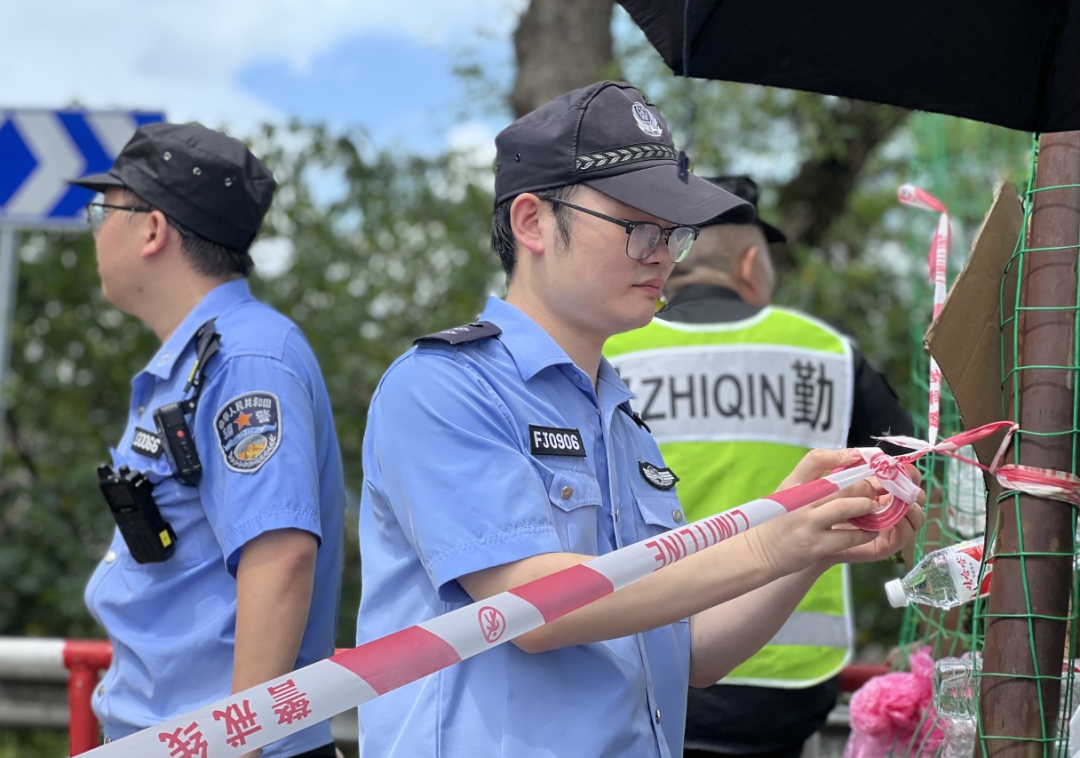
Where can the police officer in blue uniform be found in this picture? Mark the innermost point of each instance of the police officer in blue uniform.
(503, 451)
(227, 485)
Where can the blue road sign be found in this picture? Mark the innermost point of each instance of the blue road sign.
(40, 150)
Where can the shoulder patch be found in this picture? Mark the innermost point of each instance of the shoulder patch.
(459, 335)
(249, 430)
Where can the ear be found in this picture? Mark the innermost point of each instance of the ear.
(527, 221)
(156, 233)
(744, 266)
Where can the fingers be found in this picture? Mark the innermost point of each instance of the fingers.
(817, 463)
(841, 509)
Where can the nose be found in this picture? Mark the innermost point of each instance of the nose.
(661, 253)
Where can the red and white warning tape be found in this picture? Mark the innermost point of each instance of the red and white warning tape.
(911, 195)
(1032, 480)
(255, 717)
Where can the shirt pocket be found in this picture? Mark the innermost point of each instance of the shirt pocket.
(659, 511)
(575, 507)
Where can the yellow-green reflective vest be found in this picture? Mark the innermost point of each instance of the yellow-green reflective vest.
(734, 406)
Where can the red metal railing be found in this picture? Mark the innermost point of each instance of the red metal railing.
(84, 659)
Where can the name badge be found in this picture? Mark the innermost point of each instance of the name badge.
(551, 440)
(147, 443)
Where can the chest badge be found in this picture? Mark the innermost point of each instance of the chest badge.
(147, 443)
(553, 440)
(661, 478)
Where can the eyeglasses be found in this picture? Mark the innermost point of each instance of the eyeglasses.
(643, 236)
(97, 212)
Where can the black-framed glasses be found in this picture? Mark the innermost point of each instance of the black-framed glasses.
(97, 212)
(642, 237)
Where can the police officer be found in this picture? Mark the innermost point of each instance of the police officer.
(503, 451)
(737, 391)
(227, 484)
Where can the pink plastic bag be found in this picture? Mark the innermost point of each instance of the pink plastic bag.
(893, 714)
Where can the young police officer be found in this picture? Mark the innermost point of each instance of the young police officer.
(504, 451)
(227, 484)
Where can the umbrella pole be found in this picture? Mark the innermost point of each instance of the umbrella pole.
(1029, 600)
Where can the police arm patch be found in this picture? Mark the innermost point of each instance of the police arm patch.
(249, 430)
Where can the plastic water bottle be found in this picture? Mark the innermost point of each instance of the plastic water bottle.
(965, 510)
(944, 578)
(956, 702)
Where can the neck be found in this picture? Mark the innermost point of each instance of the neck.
(583, 348)
(167, 305)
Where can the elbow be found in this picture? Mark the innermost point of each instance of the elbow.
(535, 642)
(702, 676)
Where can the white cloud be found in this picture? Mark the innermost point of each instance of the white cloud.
(183, 57)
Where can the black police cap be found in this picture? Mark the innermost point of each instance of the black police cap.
(207, 181)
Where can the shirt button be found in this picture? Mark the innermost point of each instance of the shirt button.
(657, 716)
(616, 514)
(110, 556)
(101, 690)
(677, 516)
(142, 409)
(567, 492)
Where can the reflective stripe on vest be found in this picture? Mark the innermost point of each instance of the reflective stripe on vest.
(740, 403)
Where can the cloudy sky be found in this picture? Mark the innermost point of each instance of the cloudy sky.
(383, 65)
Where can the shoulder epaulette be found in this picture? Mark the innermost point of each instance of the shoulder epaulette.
(625, 408)
(459, 335)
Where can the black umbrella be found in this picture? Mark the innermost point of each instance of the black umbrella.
(1014, 63)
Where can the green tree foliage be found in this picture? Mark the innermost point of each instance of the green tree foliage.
(385, 247)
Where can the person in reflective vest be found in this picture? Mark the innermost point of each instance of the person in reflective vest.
(736, 391)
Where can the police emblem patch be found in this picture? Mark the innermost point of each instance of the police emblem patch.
(249, 430)
(646, 121)
(661, 478)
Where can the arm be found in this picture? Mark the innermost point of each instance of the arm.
(724, 636)
(273, 593)
(794, 543)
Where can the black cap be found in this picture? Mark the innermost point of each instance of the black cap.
(610, 137)
(205, 180)
(747, 189)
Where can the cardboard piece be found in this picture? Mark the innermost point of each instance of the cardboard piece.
(966, 338)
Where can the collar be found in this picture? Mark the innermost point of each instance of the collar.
(708, 304)
(529, 345)
(533, 350)
(216, 302)
(698, 292)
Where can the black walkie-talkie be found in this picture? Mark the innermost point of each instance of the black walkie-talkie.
(130, 496)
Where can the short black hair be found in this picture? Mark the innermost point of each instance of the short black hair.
(208, 258)
(502, 234)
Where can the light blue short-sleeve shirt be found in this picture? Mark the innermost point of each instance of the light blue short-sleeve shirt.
(266, 440)
(456, 481)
